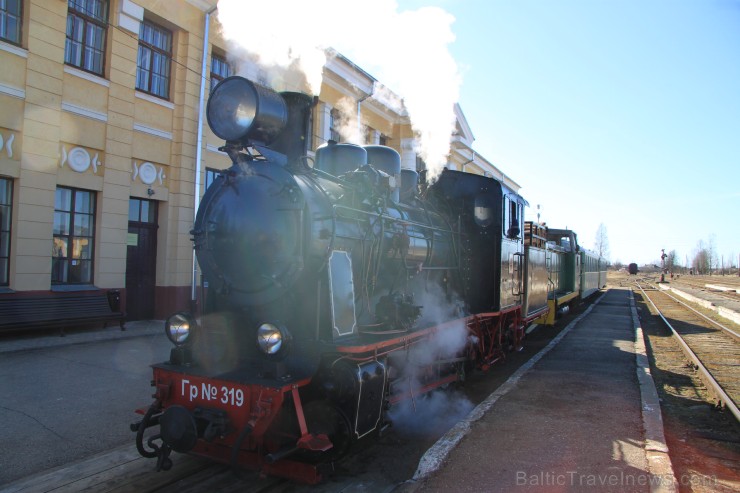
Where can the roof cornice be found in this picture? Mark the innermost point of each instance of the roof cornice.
(203, 5)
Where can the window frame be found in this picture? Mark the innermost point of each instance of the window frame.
(504, 214)
(370, 135)
(69, 260)
(211, 175)
(335, 120)
(7, 234)
(218, 75)
(4, 14)
(154, 51)
(151, 211)
(87, 21)
(511, 215)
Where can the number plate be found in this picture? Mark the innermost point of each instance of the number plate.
(196, 390)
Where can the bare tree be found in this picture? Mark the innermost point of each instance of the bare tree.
(701, 262)
(601, 245)
(712, 256)
(671, 260)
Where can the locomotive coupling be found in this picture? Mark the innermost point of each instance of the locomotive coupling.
(178, 429)
(181, 429)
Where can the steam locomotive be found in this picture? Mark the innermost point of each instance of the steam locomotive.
(337, 288)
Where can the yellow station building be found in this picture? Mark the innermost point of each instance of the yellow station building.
(104, 144)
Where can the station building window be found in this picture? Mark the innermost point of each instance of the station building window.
(370, 135)
(154, 60)
(142, 211)
(11, 19)
(220, 69)
(335, 120)
(211, 175)
(74, 236)
(87, 28)
(6, 210)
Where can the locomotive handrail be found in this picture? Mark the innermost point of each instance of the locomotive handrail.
(333, 178)
(404, 340)
(375, 214)
(413, 337)
(516, 283)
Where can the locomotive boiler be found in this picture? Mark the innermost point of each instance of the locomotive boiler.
(336, 289)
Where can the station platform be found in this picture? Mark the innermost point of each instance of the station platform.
(708, 298)
(584, 416)
(26, 341)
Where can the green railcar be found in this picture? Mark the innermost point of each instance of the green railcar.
(593, 273)
(574, 273)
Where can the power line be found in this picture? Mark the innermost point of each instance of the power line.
(107, 23)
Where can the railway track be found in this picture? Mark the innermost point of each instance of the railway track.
(711, 347)
(728, 288)
(124, 471)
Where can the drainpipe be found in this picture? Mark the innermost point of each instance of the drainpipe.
(472, 159)
(199, 148)
(359, 104)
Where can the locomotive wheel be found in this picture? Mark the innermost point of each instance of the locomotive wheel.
(323, 417)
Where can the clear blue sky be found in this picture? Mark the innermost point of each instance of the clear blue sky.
(625, 113)
(621, 112)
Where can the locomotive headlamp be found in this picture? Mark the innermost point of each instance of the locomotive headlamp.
(271, 338)
(238, 110)
(180, 328)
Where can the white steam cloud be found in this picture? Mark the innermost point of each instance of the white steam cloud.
(407, 51)
(347, 126)
(431, 414)
(435, 412)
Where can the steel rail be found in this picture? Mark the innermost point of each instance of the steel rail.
(714, 322)
(730, 295)
(703, 371)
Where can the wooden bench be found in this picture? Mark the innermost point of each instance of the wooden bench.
(57, 310)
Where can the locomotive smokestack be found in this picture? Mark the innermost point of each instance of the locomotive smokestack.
(295, 139)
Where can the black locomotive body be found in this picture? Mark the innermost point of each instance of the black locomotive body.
(334, 292)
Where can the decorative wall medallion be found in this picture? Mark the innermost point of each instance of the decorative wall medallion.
(7, 141)
(147, 173)
(79, 159)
